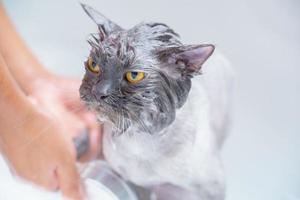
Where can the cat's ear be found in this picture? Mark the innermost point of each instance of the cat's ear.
(189, 59)
(104, 24)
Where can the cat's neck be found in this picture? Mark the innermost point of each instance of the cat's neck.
(190, 120)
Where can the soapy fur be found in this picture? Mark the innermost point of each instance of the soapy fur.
(168, 129)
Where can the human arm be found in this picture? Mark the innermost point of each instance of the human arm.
(23, 65)
(58, 94)
(33, 141)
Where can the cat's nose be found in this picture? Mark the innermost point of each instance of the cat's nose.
(100, 91)
(103, 96)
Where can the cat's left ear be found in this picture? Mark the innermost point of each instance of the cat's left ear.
(104, 24)
(189, 58)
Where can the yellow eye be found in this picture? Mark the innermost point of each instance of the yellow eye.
(134, 77)
(92, 66)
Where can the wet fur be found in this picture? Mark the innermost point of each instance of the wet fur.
(164, 133)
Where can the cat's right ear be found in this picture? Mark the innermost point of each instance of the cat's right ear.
(187, 58)
(104, 24)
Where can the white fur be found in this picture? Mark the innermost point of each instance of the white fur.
(186, 153)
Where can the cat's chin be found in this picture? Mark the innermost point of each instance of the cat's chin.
(116, 130)
(101, 117)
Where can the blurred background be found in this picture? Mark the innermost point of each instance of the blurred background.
(261, 38)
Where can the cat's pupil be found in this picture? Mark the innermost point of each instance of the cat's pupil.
(94, 64)
(134, 74)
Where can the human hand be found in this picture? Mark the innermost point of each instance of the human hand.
(37, 149)
(60, 96)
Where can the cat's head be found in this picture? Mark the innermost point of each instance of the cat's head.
(140, 76)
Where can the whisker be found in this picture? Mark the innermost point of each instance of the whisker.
(123, 122)
(141, 123)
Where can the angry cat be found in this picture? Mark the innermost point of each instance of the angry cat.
(168, 115)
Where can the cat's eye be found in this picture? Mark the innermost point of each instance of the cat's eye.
(134, 76)
(93, 66)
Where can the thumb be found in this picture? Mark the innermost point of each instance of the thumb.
(69, 181)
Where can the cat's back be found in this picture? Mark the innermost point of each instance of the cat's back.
(215, 84)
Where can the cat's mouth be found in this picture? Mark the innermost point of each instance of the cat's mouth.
(100, 108)
(107, 113)
(121, 118)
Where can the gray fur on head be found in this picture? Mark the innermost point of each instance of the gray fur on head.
(152, 48)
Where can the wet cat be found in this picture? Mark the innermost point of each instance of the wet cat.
(168, 123)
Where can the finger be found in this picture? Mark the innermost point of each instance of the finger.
(72, 123)
(32, 100)
(69, 181)
(74, 104)
(46, 179)
(95, 145)
(94, 134)
(72, 98)
(88, 117)
(96, 141)
(51, 182)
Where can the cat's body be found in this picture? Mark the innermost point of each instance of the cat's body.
(186, 153)
(166, 132)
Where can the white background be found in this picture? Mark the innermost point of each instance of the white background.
(260, 37)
